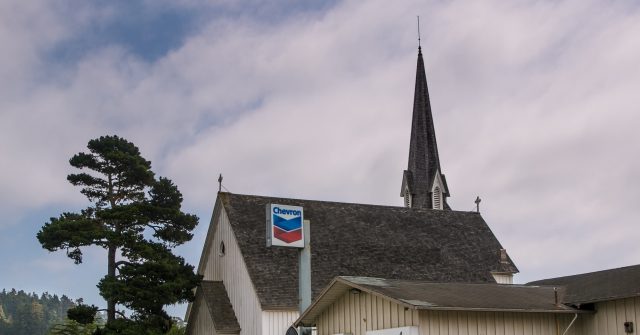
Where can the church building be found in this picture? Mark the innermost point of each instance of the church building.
(254, 286)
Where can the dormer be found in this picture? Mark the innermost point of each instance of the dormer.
(405, 189)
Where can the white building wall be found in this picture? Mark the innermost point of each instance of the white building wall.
(277, 322)
(358, 313)
(502, 278)
(494, 323)
(610, 317)
(232, 271)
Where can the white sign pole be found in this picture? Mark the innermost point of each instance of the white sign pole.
(304, 266)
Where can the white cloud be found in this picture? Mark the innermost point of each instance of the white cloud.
(535, 106)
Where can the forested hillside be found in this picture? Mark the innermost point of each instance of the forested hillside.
(29, 314)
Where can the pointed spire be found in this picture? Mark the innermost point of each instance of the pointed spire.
(423, 185)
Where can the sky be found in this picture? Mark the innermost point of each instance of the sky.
(536, 109)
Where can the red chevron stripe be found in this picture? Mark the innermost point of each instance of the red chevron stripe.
(289, 237)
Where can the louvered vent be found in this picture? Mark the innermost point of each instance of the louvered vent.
(407, 199)
(437, 198)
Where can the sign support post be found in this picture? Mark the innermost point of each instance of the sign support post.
(304, 266)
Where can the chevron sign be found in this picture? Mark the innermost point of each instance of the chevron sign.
(284, 226)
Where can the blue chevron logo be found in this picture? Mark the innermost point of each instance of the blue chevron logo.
(287, 224)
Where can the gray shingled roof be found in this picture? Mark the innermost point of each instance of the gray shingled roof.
(443, 296)
(363, 240)
(216, 298)
(464, 296)
(598, 286)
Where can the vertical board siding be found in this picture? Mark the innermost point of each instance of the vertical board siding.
(472, 321)
(277, 322)
(202, 322)
(491, 323)
(368, 311)
(358, 313)
(462, 326)
(610, 317)
(503, 278)
(232, 271)
(499, 322)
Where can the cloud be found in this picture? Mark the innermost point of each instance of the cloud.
(550, 132)
(536, 118)
(535, 105)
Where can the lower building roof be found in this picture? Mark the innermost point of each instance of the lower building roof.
(444, 296)
(598, 286)
(219, 307)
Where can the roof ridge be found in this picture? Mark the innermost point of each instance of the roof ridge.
(628, 267)
(348, 203)
(412, 281)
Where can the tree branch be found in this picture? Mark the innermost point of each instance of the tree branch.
(154, 227)
(117, 312)
(118, 263)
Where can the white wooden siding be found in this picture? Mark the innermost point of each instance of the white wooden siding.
(358, 313)
(277, 322)
(232, 271)
(202, 323)
(503, 278)
(610, 317)
(411, 330)
(493, 323)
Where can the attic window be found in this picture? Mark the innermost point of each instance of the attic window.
(437, 198)
(221, 250)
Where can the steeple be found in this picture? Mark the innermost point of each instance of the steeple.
(423, 184)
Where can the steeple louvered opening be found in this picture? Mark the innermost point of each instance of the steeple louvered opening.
(437, 198)
(407, 198)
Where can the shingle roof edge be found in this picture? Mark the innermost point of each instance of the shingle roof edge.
(346, 203)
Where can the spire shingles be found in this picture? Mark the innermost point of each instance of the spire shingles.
(424, 165)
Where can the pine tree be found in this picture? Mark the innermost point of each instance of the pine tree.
(134, 216)
(22, 313)
(71, 327)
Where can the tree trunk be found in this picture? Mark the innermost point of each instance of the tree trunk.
(111, 273)
(111, 263)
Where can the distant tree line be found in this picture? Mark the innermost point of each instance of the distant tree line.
(24, 313)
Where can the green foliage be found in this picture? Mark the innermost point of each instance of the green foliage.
(176, 330)
(139, 325)
(71, 327)
(147, 286)
(29, 314)
(83, 314)
(135, 216)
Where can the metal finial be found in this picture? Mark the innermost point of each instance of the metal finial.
(220, 183)
(419, 47)
(478, 204)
